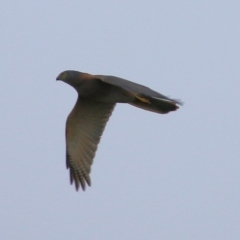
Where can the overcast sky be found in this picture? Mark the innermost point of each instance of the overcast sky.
(171, 177)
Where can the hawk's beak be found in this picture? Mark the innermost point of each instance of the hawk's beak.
(62, 76)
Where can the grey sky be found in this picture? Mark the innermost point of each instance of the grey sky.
(172, 176)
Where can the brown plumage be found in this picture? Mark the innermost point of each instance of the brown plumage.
(97, 97)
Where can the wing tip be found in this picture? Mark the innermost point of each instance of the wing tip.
(79, 180)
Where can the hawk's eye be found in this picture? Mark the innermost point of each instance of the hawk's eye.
(63, 75)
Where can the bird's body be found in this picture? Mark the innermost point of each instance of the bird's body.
(97, 97)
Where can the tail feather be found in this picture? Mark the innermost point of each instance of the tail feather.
(157, 105)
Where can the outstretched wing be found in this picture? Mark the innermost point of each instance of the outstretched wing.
(84, 128)
(145, 97)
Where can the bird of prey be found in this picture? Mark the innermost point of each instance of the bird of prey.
(97, 97)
